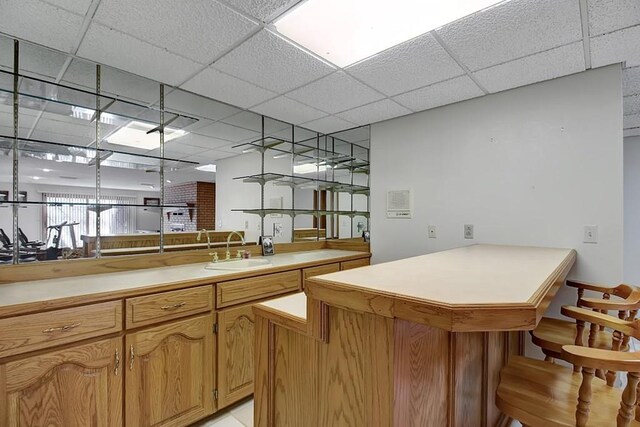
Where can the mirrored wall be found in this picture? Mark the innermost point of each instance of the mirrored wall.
(98, 162)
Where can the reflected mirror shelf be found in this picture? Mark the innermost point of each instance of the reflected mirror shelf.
(305, 183)
(297, 212)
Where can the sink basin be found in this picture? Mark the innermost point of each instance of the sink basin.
(238, 265)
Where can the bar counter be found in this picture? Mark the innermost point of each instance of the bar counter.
(414, 342)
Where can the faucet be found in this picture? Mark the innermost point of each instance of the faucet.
(206, 232)
(228, 255)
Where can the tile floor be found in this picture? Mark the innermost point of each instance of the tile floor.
(239, 415)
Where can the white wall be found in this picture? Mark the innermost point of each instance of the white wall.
(530, 166)
(632, 210)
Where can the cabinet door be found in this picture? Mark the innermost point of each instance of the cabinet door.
(236, 331)
(78, 386)
(169, 375)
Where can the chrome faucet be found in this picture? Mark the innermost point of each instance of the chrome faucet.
(206, 232)
(228, 255)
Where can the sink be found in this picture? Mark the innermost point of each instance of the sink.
(238, 265)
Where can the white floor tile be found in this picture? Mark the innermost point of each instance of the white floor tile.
(244, 413)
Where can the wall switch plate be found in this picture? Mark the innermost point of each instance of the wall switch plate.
(590, 234)
(468, 231)
(432, 231)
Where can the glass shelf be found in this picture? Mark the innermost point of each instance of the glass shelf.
(303, 182)
(296, 212)
(98, 205)
(56, 151)
(73, 102)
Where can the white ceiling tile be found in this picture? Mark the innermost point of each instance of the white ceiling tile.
(512, 30)
(40, 23)
(204, 142)
(209, 157)
(329, 124)
(631, 132)
(228, 132)
(615, 47)
(104, 45)
(247, 120)
(631, 104)
(271, 62)
(177, 149)
(282, 108)
(40, 62)
(262, 9)
(631, 81)
(79, 7)
(610, 15)
(438, 94)
(199, 30)
(376, 112)
(410, 65)
(632, 121)
(532, 69)
(335, 92)
(224, 87)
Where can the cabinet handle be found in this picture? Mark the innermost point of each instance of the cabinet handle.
(174, 306)
(116, 362)
(132, 356)
(64, 328)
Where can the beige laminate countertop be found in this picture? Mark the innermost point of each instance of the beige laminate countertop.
(18, 297)
(480, 287)
(294, 305)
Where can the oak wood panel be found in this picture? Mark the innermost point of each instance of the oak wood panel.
(421, 373)
(468, 372)
(295, 382)
(341, 373)
(36, 331)
(163, 306)
(254, 288)
(319, 270)
(74, 387)
(351, 244)
(379, 361)
(169, 373)
(264, 388)
(496, 358)
(236, 335)
(356, 263)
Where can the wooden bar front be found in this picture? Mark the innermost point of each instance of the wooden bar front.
(366, 356)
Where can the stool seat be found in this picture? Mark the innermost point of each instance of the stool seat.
(542, 394)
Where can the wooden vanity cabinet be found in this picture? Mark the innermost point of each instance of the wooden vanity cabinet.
(78, 386)
(169, 375)
(236, 332)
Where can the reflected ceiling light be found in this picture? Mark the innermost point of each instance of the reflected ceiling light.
(135, 135)
(168, 181)
(346, 31)
(88, 114)
(46, 170)
(207, 168)
(36, 177)
(309, 168)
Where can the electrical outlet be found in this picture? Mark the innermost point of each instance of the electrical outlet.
(468, 231)
(432, 231)
(590, 234)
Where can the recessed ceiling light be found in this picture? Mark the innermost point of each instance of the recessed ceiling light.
(135, 135)
(207, 168)
(309, 168)
(46, 170)
(36, 178)
(347, 31)
(168, 181)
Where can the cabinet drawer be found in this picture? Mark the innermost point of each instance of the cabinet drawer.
(348, 265)
(319, 270)
(168, 305)
(22, 334)
(255, 288)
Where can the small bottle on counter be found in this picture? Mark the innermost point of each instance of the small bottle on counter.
(246, 254)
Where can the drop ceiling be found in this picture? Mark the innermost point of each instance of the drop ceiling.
(229, 50)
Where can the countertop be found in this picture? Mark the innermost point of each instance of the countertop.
(294, 305)
(19, 297)
(478, 287)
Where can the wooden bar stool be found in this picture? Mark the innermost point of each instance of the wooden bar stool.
(552, 334)
(539, 393)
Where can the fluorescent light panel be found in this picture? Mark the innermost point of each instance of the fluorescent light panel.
(347, 31)
(207, 168)
(135, 135)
